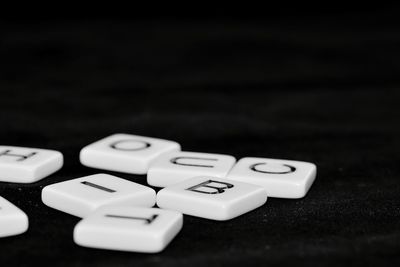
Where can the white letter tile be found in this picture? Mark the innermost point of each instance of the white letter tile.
(81, 196)
(13, 221)
(125, 228)
(176, 167)
(27, 165)
(281, 178)
(125, 153)
(212, 198)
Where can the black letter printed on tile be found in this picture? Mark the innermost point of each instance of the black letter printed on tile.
(178, 161)
(254, 168)
(139, 145)
(207, 185)
(146, 220)
(18, 156)
(98, 187)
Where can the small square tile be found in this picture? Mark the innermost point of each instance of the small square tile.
(212, 197)
(27, 165)
(281, 178)
(13, 221)
(176, 167)
(125, 153)
(83, 195)
(147, 230)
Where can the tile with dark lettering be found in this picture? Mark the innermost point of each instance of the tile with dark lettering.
(28, 165)
(13, 221)
(212, 197)
(125, 228)
(81, 196)
(281, 178)
(176, 167)
(126, 153)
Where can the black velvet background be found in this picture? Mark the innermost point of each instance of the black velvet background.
(321, 88)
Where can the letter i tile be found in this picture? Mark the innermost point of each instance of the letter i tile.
(83, 195)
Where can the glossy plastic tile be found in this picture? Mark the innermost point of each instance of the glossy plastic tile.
(176, 167)
(212, 198)
(27, 165)
(83, 195)
(280, 178)
(124, 228)
(13, 221)
(125, 153)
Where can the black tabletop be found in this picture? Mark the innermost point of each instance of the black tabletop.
(322, 89)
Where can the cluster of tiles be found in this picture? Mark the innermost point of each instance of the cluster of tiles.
(119, 214)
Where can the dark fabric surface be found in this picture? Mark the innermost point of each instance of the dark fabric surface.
(322, 89)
